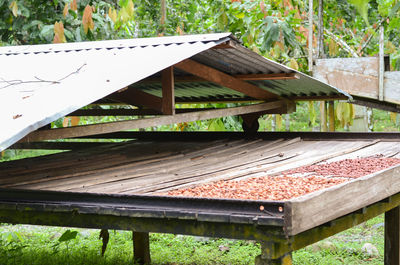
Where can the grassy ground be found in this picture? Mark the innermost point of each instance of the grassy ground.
(22, 244)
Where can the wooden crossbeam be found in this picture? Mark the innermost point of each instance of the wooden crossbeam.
(223, 79)
(93, 129)
(247, 77)
(137, 97)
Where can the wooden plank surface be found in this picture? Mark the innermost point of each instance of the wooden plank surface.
(146, 167)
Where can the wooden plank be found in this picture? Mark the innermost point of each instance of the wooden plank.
(319, 207)
(225, 80)
(343, 73)
(158, 162)
(392, 87)
(141, 247)
(243, 77)
(93, 129)
(392, 236)
(168, 96)
(137, 97)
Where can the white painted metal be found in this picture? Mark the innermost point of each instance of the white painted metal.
(38, 87)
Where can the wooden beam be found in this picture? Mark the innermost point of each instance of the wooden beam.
(392, 236)
(247, 77)
(85, 130)
(141, 247)
(331, 111)
(225, 80)
(137, 97)
(168, 96)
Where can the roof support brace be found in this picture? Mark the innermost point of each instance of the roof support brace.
(225, 80)
(137, 97)
(93, 129)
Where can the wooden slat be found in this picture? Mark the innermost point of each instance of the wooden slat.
(246, 77)
(93, 129)
(225, 80)
(168, 96)
(319, 207)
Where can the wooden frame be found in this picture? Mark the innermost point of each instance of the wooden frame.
(93, 129)
(218, 77)
(316, 208)
(136, 97)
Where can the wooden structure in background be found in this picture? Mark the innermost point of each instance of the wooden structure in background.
(114, 186)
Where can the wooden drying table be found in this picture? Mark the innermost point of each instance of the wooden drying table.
(115, 186)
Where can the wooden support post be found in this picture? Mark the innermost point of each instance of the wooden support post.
(323, 111)
(168, 97)
(331, 111)
(250, 122)
(141, 247)
(320, 44)
(392, 236)
(310, 36)
(269, 250)
(381, 62)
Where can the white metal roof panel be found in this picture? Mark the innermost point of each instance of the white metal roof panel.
(41, 83)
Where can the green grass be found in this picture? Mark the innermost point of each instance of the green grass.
(22, 244)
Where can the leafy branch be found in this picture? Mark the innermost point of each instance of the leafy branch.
(38, 80)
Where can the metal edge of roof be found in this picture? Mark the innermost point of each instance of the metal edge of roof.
(110, 44)
(203, 43)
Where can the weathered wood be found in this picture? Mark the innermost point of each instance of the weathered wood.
(270, 254)
(137, 97)
(225, 80)
(320, 37)
(381, 73)
(310, 35)
(392, 236)
(344, 73)
(168, 95)
(340, 224)
(141, 247)
(392, 87)
(322, 108)
(331, 112)
(93, 129)
(243, 77)
(319, 207)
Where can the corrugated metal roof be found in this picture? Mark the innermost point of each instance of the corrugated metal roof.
(41, 83)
